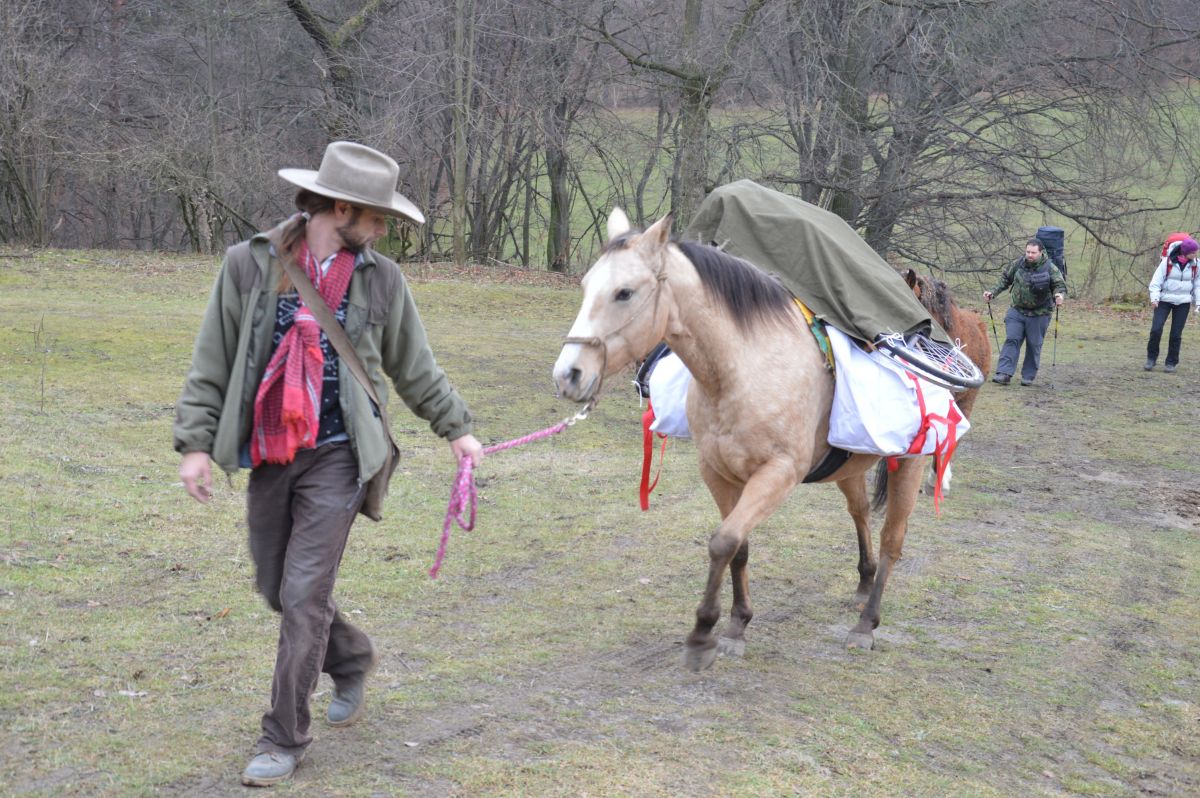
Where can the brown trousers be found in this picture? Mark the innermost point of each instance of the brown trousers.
(299, 516)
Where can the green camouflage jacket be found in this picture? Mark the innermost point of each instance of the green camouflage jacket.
(1024, 298)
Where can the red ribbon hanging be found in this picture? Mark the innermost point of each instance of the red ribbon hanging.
(645, 486)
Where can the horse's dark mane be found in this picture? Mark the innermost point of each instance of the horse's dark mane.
(750, 294)
(936, 297)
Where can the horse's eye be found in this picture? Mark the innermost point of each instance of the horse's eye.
(623, 295)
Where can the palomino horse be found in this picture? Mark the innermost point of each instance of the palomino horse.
(758, 406)
(965, 326)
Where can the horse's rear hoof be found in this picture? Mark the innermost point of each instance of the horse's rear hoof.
(731, 647)
(696, 658)
(860, 640)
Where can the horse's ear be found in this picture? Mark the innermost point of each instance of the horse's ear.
(658, 233)
(618, 223)
(910, 277)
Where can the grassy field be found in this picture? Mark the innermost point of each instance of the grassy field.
(1038, 637)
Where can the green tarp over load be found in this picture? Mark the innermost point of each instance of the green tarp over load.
(817, 255)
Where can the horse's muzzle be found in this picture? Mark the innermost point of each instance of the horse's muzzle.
(574, 387)
(571, 381)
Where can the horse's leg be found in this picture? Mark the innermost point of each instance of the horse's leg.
(966, 402)
(903, 485)
(929, 483)
(859, 507)
(762, 494)
(726, 494)
(733, 640)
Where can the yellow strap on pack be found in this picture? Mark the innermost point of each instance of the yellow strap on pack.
(818, 330)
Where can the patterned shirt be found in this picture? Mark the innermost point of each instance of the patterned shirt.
(330, 427)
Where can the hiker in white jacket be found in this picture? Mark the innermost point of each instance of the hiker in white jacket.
(1174, 291)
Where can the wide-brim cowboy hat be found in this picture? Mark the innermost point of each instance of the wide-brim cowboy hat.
(359, 175)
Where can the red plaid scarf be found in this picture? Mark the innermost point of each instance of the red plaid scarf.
(287, 407)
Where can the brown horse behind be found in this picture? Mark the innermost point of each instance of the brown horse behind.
(965, 327)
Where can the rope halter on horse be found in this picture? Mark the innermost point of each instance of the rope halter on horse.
(660, 277)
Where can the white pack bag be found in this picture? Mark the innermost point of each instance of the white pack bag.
(668, 396)
(880, 408)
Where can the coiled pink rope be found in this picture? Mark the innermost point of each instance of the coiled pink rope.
(463, 495)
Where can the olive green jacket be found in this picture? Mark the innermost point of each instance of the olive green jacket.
(216, 410)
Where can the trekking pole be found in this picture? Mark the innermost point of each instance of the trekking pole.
(1054, 348)
(993, 318)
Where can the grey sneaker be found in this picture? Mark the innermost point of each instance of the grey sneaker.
(347, 704)
(1027, 381)
(1149, 365)
(1169, 368)
(268, 768)
(1002, 379)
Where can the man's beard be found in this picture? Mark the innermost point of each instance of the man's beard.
(356, 243)
(350, 240)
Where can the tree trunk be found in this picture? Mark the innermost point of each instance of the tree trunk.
(690, 182)
(341, 85)
(460, 115)
(558, 236)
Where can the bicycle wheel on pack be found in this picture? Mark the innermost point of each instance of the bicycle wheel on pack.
(943, 365)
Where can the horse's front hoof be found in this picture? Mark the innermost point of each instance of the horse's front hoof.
(863, 640)
(698, 658)
(731, 647)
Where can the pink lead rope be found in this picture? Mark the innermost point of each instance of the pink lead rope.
(463, 495)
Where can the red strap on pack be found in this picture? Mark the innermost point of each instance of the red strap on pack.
(646, 485)
(943, 450)
(918, 442)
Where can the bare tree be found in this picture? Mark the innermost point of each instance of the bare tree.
(40, 70)
(938, 129)
(697, 66)
(564, 81)
(941, 130)
(340, 74)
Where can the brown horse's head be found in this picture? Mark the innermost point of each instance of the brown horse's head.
(624, 313)
(935, 297)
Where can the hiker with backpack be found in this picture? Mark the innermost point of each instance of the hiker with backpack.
(1174, 291)
(1038, 288)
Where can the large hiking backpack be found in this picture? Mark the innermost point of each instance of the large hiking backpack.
(1174, 238)
(1172, 243)
(1052, 239)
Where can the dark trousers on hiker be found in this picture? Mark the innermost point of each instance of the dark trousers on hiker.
(1179, 316)
(299, 517)
(1017, 328)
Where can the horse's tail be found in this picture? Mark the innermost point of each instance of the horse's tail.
(879, 499)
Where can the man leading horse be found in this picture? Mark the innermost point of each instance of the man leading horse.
(303, 403)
